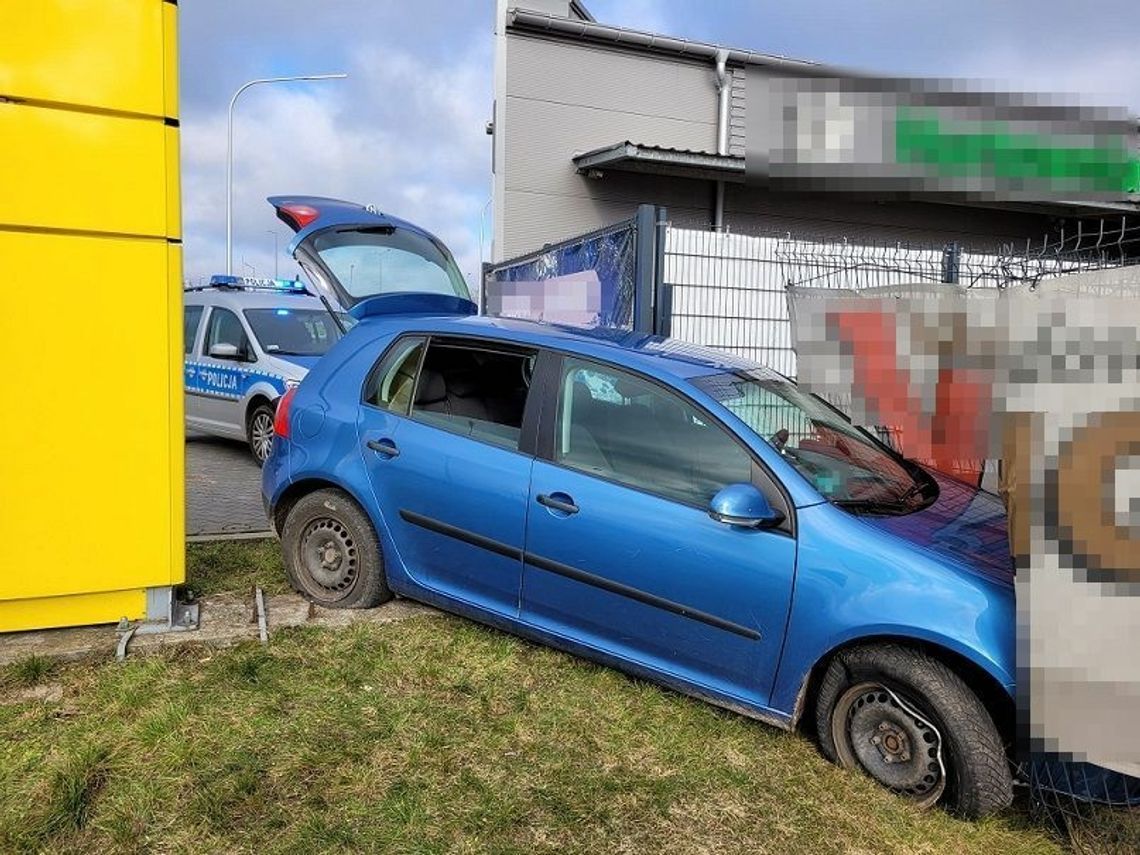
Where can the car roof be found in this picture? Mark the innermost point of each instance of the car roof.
(652, 354)
(232, 298)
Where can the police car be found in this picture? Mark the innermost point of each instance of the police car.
(246, 341)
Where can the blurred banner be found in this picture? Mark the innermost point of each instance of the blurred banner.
(1048, 380)
(861, 134)
(587, 281)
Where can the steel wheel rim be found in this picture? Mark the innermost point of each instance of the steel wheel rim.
(875, 730)
(261, 432)
(329, 557)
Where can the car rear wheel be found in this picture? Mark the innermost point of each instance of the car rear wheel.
(259, 431)
(914, 726)
(332, 555)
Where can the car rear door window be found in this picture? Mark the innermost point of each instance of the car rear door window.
(191, 317)
(474, 389)
(621, 427)
(392, 381)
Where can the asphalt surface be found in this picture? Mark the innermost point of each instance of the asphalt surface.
(223, 488)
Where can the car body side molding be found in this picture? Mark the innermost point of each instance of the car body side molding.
(448, 530)
(587, 578)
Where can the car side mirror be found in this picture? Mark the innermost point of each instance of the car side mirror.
(745, 506)
(223, 350)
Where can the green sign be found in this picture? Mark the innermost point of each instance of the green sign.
(995, 150)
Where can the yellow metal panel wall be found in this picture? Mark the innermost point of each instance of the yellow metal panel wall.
(170, 58)
(103, 607)
(91, 339)
(92, 172)
(105, 54)
(88, 399)
(176, 421)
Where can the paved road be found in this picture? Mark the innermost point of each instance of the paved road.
(223, 488)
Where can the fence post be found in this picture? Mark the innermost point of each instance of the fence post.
(644, 269)
(481, 297)
(951, 262)
(663, 306)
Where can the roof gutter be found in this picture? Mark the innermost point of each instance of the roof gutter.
(620, 36)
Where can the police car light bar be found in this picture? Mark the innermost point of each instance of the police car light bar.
(253, 283)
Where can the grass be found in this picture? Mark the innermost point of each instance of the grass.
(223, 566)
(27, 672)
(427, 735)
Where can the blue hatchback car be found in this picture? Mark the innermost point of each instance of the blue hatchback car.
(679, 514)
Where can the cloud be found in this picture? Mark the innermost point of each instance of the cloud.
(653, 16)
(404, 132)
(1107, 76)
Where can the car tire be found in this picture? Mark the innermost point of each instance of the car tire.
(259, 432)
(913, 725)
(332, 554)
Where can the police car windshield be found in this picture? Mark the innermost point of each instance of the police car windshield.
(294, 332)
(374, 261)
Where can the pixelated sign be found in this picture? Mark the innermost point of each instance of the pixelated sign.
(1047, 380)
(935, 136)
(574, 299)
(585, 282)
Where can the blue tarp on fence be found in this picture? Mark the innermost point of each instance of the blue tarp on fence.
(588, 281)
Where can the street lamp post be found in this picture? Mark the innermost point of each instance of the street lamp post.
(230, 151)
(274, 233)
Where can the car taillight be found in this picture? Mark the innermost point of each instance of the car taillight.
(297, 216)
(281, 418)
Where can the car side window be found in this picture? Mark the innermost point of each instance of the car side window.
(620, 427)
(391, 382)
(225, 337)
(191, 317)
(476, 390)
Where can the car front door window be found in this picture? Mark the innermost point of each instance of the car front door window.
(225, 337)
(621, 427)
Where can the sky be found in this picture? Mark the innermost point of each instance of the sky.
(406, 130)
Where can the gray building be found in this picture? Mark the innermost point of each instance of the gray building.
(591, 120)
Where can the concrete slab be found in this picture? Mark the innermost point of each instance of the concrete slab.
(223, 621)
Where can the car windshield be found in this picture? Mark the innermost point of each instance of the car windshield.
(295, 332)
(374, 261)
(843, 463)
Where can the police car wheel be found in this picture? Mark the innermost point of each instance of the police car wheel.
(259, 430)
(332, 554)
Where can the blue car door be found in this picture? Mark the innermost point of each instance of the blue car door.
(621, 553)
(441, 431)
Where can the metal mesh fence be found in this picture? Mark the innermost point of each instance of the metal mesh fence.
(728, 290)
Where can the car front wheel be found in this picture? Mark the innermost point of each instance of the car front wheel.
(332, 555)
(914, 726)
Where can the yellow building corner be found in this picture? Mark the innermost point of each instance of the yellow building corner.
(92, 481)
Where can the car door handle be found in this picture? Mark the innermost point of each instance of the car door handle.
(384, 446)
(566, 505)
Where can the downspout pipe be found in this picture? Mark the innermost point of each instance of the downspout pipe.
(724, 92)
